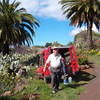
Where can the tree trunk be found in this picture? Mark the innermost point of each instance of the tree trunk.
(89, 35)
(5, 49)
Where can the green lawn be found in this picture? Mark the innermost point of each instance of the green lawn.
(69, 92)
(43, 90)
(95, 59)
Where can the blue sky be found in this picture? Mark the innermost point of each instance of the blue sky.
(53, 24)
(53, 30)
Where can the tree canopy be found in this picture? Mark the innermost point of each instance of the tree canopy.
(83, 12)
(16, 25)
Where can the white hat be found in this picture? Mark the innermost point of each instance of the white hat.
(54, 47)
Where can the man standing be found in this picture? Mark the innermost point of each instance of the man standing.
(55, 67)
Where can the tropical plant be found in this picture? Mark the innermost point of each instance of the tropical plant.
(16, 25)
(93, 52)
(70, 43)
(82, 54)
(81, 12)
(82, 60)
(9, 64)
(48, 44)
(7, 82)
(56, 43)
(98, 53)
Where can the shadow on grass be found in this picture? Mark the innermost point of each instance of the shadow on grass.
(91, 64)
(80, 79)
(75, 85)
(7, 98)
(83, 76)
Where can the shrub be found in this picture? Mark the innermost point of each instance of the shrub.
(82, 56)
(7, 82)
(9, 63)
(28, 59)
(93, 52)
(82, 60)
(12, 68)
(98, 53)
(12, 63)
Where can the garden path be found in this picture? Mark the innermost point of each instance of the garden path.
(92, 91)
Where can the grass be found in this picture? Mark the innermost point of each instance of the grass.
(35, 86)
(43, 90)
(69, 92)
(7, 98)
(95, 59)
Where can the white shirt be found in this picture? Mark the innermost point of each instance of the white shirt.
(55, 61)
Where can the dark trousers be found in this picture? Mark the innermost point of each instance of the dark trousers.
(55, 78)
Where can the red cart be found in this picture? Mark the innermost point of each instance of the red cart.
(72, 63)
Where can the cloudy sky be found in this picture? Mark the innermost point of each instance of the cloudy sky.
(53, 24)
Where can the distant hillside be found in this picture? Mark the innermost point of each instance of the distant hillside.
(81, 38)
(32, 50)
(55, 43)
(27, 50)
(21, 49)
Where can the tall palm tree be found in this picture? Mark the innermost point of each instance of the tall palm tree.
(83, 12)
(16, 25)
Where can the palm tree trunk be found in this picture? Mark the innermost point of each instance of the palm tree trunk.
(5, 48)
(89, 35)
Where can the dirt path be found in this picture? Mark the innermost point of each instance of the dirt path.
(92, 91)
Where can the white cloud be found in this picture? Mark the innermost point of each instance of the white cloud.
(95, 29)
(77, 30)
(44, 8)
(31, 5)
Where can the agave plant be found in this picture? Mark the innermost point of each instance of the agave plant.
(9, 63)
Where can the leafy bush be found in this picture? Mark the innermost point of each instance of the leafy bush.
(7, 82)
(82, 60)
(29, 60)
(82, 56)
(98, 53)
(10, 63)
(10, 66)
(93, 52)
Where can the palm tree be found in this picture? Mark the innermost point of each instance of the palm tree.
(83, 12)
(16, 25)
